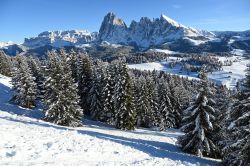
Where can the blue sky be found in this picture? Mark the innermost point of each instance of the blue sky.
(27, 18)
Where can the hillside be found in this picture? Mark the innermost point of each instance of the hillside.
(27, 140)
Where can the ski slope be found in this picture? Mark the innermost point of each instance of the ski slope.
(27, 140)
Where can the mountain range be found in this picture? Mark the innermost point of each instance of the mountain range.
(161, 33)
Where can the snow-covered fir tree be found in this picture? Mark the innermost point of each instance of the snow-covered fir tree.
(74, 65)
(5, 64)
(153, 103)
(123, 100)
(94, 96)
(223, 105)
(24, 85)
(237, 141)
(166, 117)
(198, 123)
(61, 95)
(107, 97)
(143, 109)
(84, 81)
(175, 101)
(38, 72)
(110, 111)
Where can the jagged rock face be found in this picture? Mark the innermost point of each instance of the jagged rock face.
(60, 38)
(147, 32)
(113, 29)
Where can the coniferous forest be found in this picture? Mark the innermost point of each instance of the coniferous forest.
(73, 86)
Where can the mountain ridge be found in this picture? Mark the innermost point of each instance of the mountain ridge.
(162, 32)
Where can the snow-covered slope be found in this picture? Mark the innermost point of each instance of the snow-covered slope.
(26, 140)
(229, 75)
(5, 44)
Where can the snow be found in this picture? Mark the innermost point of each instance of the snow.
(164, 66)
(60, 38)
(164, 51)
(27, 140)
(5, 44)
(195, 42)
(229, 76)
(171, 21)
(238, 52)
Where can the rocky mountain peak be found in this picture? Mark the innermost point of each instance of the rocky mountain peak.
(111, 28)
(170, 21)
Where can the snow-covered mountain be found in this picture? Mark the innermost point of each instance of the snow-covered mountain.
(147, 32)
(5, 44)
(60, 38)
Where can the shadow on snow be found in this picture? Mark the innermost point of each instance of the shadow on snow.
(152, 148)
(5, 96)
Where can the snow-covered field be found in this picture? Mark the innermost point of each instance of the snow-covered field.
(229, 76)
(27, 140)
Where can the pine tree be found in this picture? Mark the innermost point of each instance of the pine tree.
(237, 143)
(95, 95)
(223, 105)
(125, 112)
(84, 82)
(152, 104)
(143, 107)
(198, 122)
(5, 64)
(74, 65)
(23, 84)
(175, 101)
(61, 94)
(166, 115)
(38, 73)
(107, 97)
(155, 102)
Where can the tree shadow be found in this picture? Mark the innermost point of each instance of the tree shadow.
(6, 94)
(152, 148)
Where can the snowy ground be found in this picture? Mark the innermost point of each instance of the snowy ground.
(26, 140)
(229, 76)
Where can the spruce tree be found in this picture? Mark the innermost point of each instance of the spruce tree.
(24, 84)
(5, 64)
(95, 95)
(107, 97)
(166, 115)
(38, 73)
(142, 104)
(84, 82)
(223, 106)
(125, 111)
(74, 65)
(198, 122)
(61, 94)
(175, 101)
(155, 102)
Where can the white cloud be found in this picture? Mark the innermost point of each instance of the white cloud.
(176, 6)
